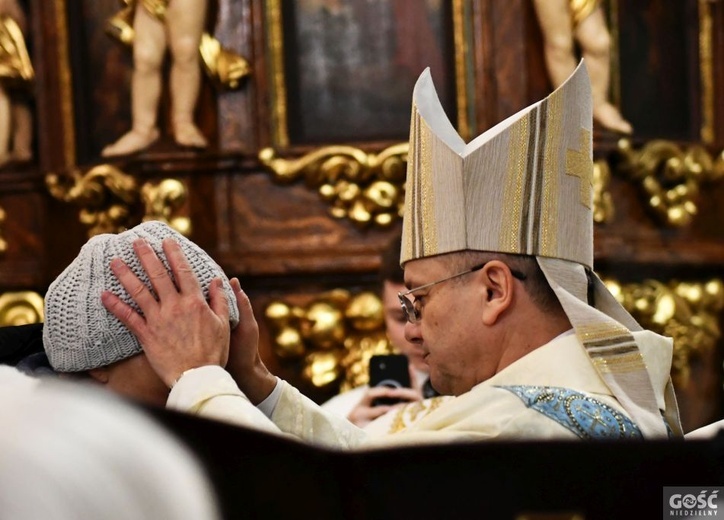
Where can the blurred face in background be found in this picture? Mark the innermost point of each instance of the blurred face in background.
(395, 322)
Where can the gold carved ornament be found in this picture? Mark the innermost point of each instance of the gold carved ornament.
(161, 202)
(670, 177)
(688, 312)
(15, 65)
(107, 197)
(366, 188)
(334, 335)
(104, 193)
(21, 308)
(225, 68)
(603, 210)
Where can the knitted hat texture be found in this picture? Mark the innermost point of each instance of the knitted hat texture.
(79, 333)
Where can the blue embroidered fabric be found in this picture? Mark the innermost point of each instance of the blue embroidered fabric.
(582, 414)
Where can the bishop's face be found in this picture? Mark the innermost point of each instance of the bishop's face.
(450, 332)
(395, 321)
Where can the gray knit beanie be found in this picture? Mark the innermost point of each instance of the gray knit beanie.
(79, 333)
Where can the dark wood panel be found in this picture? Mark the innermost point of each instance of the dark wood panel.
(265, 228)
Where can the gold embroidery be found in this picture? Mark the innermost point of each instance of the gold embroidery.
(619, 364)
(426, 206)
(579, 164)
(599, 331)
(514, 182)
(412, 412)
(550, 186)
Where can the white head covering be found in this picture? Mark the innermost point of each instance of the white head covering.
(525, 187)
(79, 333)
(71, 450)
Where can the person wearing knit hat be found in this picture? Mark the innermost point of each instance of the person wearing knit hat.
(497, 249)
(81, 337)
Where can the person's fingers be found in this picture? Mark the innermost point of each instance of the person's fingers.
(133, 286)
(406, 394)
(246, 313)
(155, 270)
(217, 299)
(124, 312)
(185, 278)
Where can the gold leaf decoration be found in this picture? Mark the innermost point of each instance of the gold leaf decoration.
(366, 188)
(104, 193)
(335, 334)
(670, 177)
(21, 308)
(688, 312)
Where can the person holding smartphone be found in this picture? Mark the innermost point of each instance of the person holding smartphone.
(361, 405)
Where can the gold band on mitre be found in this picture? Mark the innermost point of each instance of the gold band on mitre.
(531, 161)
(525, 187)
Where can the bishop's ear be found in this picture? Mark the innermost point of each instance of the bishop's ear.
(499, 290)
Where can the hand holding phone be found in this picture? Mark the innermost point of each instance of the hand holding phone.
(391, 371)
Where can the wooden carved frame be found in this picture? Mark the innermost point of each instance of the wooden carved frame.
(279, 76)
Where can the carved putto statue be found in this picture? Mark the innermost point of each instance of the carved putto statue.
(567, 23)
(154, 27)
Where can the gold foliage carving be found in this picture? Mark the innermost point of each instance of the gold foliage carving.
(366, 188)
(670, 177)
(109, 199)
(104, 194)
(161, 201)
(603, 210)
(21, 308)
(686, 311)
(335, 335)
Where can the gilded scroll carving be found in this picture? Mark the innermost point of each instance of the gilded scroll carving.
(334, 335)
(366, 188)
(670, 176)
(104, 193)
(686, 311)
(21, 308)
(162, 202)
(109, 199)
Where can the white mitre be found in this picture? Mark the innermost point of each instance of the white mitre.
(525, 187)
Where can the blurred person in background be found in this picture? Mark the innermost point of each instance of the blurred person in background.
(357, 403)
(72, 451)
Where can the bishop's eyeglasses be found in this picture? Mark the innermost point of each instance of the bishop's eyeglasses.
(413, 313)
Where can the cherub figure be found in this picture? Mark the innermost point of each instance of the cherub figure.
(565, 23)
(158, 25)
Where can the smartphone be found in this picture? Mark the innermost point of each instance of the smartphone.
(389, 370)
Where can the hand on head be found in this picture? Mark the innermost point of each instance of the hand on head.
(245, 364)
(177, 328)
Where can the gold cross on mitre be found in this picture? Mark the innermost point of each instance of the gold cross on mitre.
(579, 164)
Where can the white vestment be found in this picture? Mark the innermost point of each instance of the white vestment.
(552, 393)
